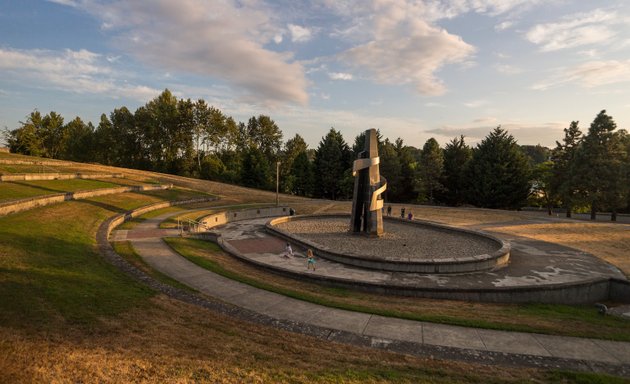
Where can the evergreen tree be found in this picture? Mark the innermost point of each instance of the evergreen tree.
(104, 142)
(499, 172)
(563, 181)
(457, 157)
(406, 192)
(255, 171)
(391, 169)
(332, 160)
(599, 165)
(430, 171)
(292, 148)
(302, 176)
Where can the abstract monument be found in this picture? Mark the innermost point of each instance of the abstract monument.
(367, 204)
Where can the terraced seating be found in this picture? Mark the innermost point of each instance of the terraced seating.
(58, 176)
(15, 206)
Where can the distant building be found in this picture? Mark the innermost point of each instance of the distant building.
(4, 149)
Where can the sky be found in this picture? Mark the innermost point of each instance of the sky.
(412, 69)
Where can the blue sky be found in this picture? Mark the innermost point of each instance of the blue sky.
(413, 69)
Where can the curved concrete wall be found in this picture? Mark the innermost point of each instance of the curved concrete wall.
(57, 176)
(587, 292)
(447, 264)
(34, 202)
(225, 217)
(119, 219)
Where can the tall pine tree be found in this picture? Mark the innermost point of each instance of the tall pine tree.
(499, 172)
(332, 162)
(457, 156)
(599, 165)
(563, 182)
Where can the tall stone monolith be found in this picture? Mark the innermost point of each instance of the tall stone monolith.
(367, 204)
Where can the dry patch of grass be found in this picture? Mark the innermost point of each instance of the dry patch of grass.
(174, 342)
(610, 242)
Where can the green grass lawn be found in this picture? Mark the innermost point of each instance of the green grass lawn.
(52, 273)
(579, 321)
(11, 190)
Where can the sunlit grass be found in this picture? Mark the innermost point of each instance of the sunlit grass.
(23, 189)
(610, 242)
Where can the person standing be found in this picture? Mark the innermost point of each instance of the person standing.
(402, 212)
(389, 210)
(310, 259)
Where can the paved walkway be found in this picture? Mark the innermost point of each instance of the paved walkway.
(587, 353)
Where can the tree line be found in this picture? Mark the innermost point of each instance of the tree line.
(190, 138)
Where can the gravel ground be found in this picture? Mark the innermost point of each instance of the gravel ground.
(400, 241)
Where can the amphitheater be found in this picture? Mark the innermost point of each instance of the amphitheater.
(487, 261)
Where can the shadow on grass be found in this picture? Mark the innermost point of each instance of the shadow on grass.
(100, 204)
(25, 184)
(49, 280)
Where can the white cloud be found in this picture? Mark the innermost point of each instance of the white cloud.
(404, 48)
(476, 103)
(340, 76)
(72, 71)
(574, 31)
(588, 75)
(507, 69)
(502, 26)
(224, 40)
(299, 34)
(448, 9)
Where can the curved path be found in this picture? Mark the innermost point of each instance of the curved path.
(399, 335)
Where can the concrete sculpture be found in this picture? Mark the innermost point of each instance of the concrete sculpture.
(367, 204)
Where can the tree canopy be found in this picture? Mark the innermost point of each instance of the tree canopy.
(192, 138)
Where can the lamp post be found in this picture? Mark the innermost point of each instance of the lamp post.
(277, 183)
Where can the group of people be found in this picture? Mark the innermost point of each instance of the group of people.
(310, 257)
(402, 213)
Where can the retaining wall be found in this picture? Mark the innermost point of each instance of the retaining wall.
(222, 218)
(447, 264)
(57, 176)
(40, 201)
(586, 292)
(119, 219)
(35, 162)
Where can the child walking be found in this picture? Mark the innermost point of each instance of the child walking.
(310, 259)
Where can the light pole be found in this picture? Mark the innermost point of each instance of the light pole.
(277, 183)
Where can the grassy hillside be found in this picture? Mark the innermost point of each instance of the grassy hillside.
(68, 316)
